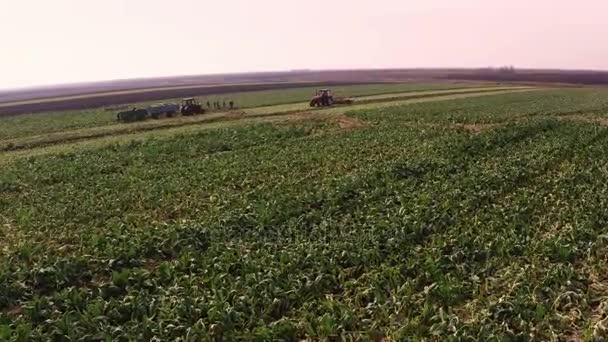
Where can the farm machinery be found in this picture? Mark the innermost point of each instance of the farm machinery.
(169, 110)
(324, 98)
(188, 107)
(191, 106)
(132, 115)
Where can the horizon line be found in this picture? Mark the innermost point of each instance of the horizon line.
(41, 86)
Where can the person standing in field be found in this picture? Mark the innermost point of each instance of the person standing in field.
(224, 104)
(231, 103)
(208, 105)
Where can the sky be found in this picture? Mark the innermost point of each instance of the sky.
(64, 41)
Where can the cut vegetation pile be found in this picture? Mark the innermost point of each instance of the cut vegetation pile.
(473, 218)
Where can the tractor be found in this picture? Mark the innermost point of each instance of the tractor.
(190, 107)
(324, 97)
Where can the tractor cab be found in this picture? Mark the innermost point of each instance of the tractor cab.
(189, 102)
(190, 107)
(323, 98)
(324, 92)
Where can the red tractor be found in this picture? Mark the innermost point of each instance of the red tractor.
(324, 97)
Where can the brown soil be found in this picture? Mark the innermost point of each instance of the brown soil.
(471, 128)
(14, 311)
(348, 123)
(476, 128)
(343, 122)
(235, 114)
(602, 121)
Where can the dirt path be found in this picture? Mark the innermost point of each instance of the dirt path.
(601, 121)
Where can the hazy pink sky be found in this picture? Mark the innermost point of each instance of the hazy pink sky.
(58, 41)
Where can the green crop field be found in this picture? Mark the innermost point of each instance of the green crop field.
(44, 123)
(28, 136)
(457, 216)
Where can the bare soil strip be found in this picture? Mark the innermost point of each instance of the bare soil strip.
(476, 128)
(601, 121)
